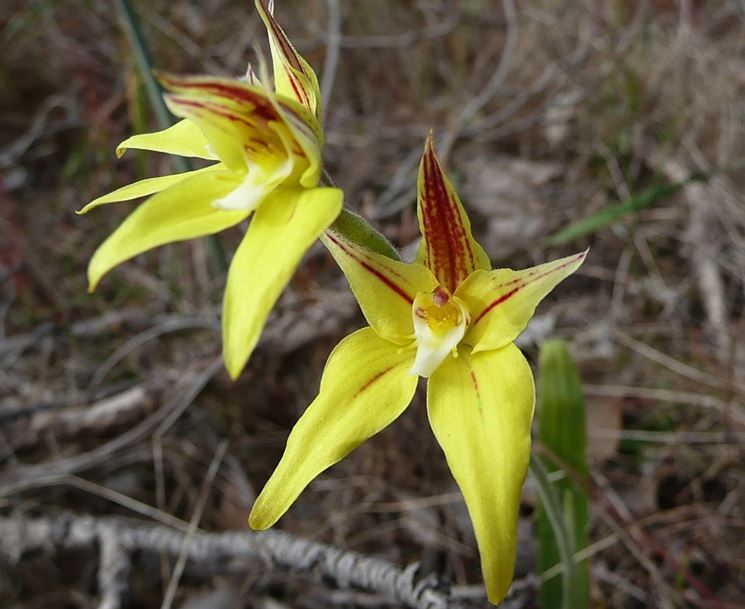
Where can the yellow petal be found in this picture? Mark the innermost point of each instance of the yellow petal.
(480, 408)
(447, 247)
(184, 139)
(365, 387)
(285, 225)
(293, 76)
(239, 120)
(385, 289)
(184, 211)
(246, 124)
(503, 301)
(146, 187)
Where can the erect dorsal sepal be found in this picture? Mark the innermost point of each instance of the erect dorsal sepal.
(447, 247)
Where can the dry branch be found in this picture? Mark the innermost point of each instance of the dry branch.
(25, 477)
(65, 422)
(116, 537)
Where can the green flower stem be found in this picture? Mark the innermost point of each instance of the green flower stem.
(353, 227)
(164, 118)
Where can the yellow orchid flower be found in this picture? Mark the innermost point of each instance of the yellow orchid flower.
(451, 319)
(267, 148)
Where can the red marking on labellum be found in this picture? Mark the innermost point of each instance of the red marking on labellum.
(386, 281)
(524, 284)
(449, 253)
(440, 296)
(370, 381)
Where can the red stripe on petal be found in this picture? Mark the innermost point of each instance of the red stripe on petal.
(195, 106)
(523, 282)
(372, 380)
(498, 301)
(475, 382)
(448, 243)
(281, 37)
(368, 267)
(240, 94)
(289, 55)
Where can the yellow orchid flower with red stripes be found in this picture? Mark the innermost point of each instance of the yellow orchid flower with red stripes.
(267, 151)
(451, 319)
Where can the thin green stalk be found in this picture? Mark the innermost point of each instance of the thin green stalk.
(564, 542)
(144, 61)
(354, 228)
(164, 118)
(562, 432)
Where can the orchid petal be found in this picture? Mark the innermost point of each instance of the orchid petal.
(364, 388)
(147, 187)
(184, 139)
(480, 407)
(285, 225)
(447, 247)
(234, 123)
(293, 76)
(183, 211)
(385, 289)
(243, 122)
(503, 301)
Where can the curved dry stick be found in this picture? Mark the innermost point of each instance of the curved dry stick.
(28, 476)
(19, 535)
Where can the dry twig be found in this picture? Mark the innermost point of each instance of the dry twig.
(117, 536)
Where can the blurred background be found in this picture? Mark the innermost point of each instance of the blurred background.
(618, 125)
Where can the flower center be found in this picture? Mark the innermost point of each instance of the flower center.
(269, 163)
(440, 322)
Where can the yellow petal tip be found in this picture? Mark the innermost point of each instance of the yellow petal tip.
(256, 522)
(233, 372)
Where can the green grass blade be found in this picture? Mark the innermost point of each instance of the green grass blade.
(144, 62)
(558, 533)
(562, 431)
(648, 197)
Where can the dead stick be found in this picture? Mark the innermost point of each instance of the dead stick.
(19, 535)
